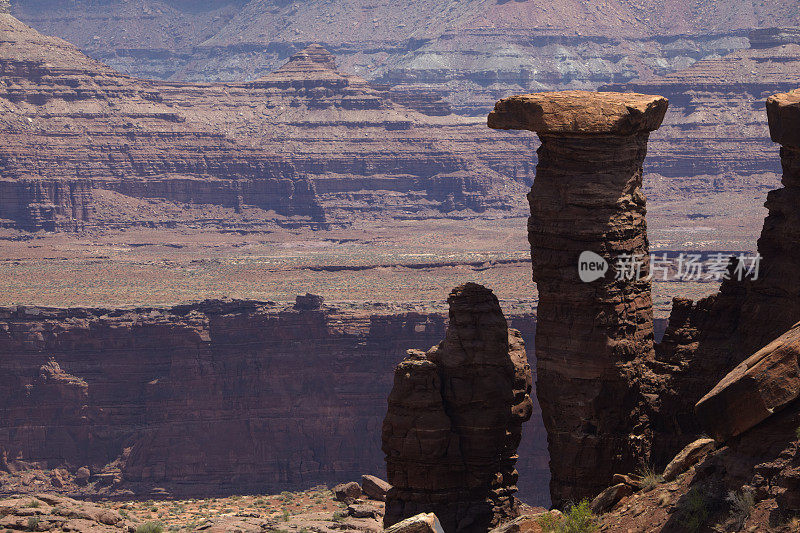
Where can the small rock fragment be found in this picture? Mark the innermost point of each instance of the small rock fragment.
(421, 523)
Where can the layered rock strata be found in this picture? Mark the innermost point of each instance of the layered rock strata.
(210, 398)
(454, 420)
(70, 124)
(729, 366)
(368, 150)
(281, 142)
(591, 334)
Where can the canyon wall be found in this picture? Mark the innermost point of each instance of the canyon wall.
(473, 52)
(306, 141)
(70, 124)
(213, 398)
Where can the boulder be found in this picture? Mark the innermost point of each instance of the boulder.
(765, 382)
(82, 475)
(421, 523)
(360, 510)
(586, 112)
(374, 487)
(308, 302)
(606, 500)
(690, 455)
(347, 492)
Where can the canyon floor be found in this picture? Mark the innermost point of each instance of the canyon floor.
(213, 252)
(315, 509)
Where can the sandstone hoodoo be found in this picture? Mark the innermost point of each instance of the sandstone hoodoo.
(455, 419)
(587, 197)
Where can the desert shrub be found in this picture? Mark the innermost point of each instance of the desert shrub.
(33, 523)
(150, 527)
(338, 517)
(695, 511)
(578, 519)
(34, 503)
(797, 432)
(742, 504)
(649, 478)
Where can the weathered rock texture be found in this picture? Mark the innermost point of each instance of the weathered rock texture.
(70, 124)
(714, 118)
(587, 197)
(753, 391)
(707, 339)
(209, 398)
(455, 418)
(735, 354)
(473, 51)
(366, 153)
(46, 512)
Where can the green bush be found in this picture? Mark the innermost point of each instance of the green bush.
(34, 503)
(695, 511)
(578, 519)
(33, 523)
(150, 527)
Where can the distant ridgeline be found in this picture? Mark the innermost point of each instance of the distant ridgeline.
(306, 143)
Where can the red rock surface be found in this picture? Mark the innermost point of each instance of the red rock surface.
(476, 52)
(68, 121)
(455, 419)
(356, 141)
(207, 398)
(591, 336)
(749, 400)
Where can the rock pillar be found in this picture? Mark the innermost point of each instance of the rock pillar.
(455, 420)
(587, 205)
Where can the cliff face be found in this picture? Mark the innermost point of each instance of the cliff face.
(68, 120)
(715, 117)
(455, 419)
(729, 366)
(210, 398)
(354, 140)
(69, 123)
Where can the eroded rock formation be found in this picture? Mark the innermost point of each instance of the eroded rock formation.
(209, 398)
(591, 335)
(737, 355)
(455, 418)
(70, 125)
